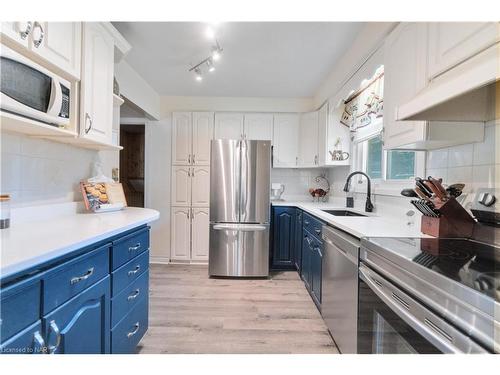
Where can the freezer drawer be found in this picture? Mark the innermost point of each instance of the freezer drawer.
(239, 250)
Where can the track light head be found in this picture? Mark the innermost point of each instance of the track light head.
(198, 75)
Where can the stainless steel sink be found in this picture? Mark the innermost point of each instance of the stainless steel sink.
(342, 213)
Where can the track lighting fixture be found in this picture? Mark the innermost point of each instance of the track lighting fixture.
(208, 62)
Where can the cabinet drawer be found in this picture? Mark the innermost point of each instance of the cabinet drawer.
(129, 272)
(129, 247)
(128, 298)
(71, 278)
(19, 306)
(127, 334)
(312, 225)
(28, 341)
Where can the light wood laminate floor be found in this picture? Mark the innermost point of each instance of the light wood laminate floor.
(192, 313)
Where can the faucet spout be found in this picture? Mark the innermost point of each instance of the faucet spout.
(369, 204)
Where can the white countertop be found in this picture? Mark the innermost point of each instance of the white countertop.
(27, 244)
(369, 226)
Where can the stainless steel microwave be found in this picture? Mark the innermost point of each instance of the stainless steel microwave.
(30, 90)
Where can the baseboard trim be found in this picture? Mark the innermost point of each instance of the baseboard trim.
(159, 260)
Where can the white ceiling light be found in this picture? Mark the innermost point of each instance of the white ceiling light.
(198, 75)
(210, 65)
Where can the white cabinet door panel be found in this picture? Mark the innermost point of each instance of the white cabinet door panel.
(199, 234)
(96, 106)
(286, 140)
(228, 126)
(203, 133)
(404, 56)
(308, 140)
(181, 186)
(450, 43)
(259, 126)
(61, 45)
(181, 233)
(200, 186)
(181, 138)
(17, 32)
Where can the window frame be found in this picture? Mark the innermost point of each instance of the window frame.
(381, 186)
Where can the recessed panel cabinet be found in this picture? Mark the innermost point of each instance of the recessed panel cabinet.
(258, 126)
(181, 186)
(286, 140)
(191, 136)
(228, 126)
(96, 104)
(181, 138)
(203, 133)
(190, 229)
(308, 140)
(199, 231)
(451, 43)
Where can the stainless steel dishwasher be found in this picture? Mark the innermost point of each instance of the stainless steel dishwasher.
(339, 306)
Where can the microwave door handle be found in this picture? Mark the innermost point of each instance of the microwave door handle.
(55, 101)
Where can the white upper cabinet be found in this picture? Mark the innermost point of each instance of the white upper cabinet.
(404, 76)
(308, 140)
(258, 126)
(200, 186)
(181, 186)
(200, 225)
(203, 133)
(451, 43)
(96, 105)
(60, 44)
(228, 126)
(17, 32)
(181, 233)
(286, 140)
(181, 138)
(323, 134)
(56, 43)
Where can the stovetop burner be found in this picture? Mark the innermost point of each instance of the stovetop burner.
(471, 263)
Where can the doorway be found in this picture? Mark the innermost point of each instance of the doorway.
(132, 163)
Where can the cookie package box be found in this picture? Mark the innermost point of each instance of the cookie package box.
(99, 197)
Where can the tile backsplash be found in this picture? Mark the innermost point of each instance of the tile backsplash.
(35, 171)
(297, 181)
(473, 164)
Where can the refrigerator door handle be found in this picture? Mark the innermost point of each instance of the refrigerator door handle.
(241, 227)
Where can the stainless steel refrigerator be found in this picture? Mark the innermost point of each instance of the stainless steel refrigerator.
(239, 208)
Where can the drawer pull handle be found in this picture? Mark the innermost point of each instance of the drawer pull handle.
(134, 331)
(133, 272)
(134, 248)
(54, 328)
(318, 231)
(89, 273)
(133, 295)
(306, 222)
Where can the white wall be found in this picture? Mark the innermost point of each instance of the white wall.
(157, 184)
(137, 90)
(237, 104)
(37, 171)
(297, 181)
(368, 40)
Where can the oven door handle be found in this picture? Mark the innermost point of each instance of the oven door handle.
(445, 337)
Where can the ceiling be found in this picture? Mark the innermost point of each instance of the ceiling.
(260, 59)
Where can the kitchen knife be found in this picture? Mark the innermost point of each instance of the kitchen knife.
(434, 190)
(438, 184)
(420, 183)
(457, 186)
(421, 194)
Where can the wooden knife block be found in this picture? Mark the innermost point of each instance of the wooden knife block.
(454, 221)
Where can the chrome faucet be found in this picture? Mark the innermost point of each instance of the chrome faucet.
(350, 202)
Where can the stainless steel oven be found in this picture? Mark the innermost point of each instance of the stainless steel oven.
(29, 90)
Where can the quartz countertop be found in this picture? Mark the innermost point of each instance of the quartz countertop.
(27, 244)
(370, 226)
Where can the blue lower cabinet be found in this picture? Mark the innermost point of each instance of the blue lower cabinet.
(128, 332)
(128, 298)
(283, 238)
(28, 341)
(297, 247)
(81, 325)
(307, 249)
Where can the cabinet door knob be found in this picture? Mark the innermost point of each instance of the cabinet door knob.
(38, 42)
(27, 30)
